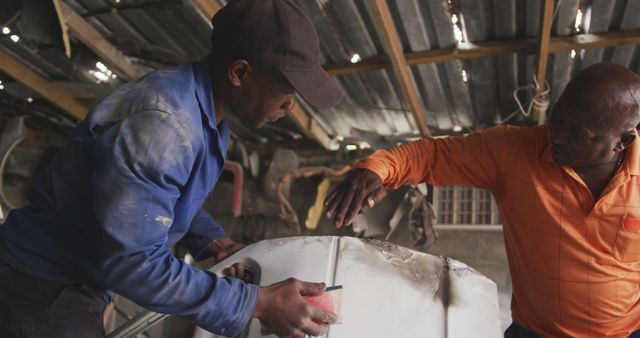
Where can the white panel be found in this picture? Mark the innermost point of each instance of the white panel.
(389, 291)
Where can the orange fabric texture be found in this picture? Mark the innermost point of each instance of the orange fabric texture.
(574, 261)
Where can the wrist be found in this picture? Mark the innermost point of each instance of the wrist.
(259, 309)
(374, 167)
(217, 245)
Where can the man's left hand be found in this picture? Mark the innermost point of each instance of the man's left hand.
(223, 248)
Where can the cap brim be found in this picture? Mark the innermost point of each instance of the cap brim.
(316, 87)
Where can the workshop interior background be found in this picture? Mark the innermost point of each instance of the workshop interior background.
(438, 67)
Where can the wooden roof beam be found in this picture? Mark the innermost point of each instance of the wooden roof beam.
(394, 49)
(22, 73)
(546, 21)
(91, 38)
(492, 48)
(208, 8)
(594, 41)
(310, 127)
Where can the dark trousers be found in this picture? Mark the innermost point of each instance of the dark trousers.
(517, 331)
(34, 308)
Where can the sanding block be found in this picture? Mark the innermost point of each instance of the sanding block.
(330, 300)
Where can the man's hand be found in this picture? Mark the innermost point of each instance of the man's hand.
(223, 248)
(282, 309)
(362, 187)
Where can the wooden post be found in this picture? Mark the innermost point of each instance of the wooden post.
(544, 39)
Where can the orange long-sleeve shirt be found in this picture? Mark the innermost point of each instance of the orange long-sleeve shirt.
(574, 261)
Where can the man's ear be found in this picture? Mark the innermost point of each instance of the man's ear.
(238, 71)
(625, 140)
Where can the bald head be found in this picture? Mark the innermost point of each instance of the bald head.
(606, 94)
(595, 118)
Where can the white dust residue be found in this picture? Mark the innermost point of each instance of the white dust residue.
(166, 221)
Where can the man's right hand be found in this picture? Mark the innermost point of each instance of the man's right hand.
(282, 308)
(361, 188)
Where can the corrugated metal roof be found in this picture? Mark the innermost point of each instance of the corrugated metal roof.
(426, 24)
(169, 32)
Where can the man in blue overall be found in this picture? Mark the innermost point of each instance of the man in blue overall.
(131, 180)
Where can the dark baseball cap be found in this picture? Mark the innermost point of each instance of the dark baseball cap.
(277, 34)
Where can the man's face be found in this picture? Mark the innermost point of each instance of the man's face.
(576, 140)
(266, 96)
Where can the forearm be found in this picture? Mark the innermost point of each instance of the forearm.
(202, 234)
(465, 160)
(405, 164)
(160, 282)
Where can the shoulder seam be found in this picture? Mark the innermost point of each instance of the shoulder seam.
(173, 117)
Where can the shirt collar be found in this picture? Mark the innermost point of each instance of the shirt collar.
(204, 90)
(204, 95)
(631, 162)
(546, 152)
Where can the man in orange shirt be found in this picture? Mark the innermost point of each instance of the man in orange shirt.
(569, 198)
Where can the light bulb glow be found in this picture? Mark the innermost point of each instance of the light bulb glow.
(351, 147)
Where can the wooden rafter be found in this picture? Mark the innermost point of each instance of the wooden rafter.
(20, 72)
(546, 21)
(594, 41)
(394, 49)
(208, 8)
(91, 38)
(310, 127)
(492, 48)
(77, 90)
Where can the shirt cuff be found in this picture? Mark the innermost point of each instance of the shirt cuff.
(197, 244)
(248, 301)
(374, 165)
